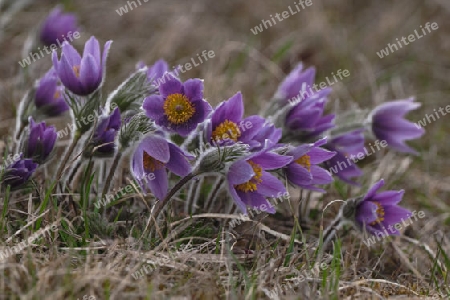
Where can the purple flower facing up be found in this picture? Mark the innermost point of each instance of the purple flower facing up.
(388, 124)
(18, 173)
(249, 183)
(346, 146)
(106, 132)
(180, 107)
(227, 125)
(41, 141)
(304, 171)
(152, 157)
(49, 95)
(377, 212)
(81, 75)
(57, 25)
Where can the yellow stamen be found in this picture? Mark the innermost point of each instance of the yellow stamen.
(252, 184)
(178, 108)
(305, 161)
(57, 94)
(76, 70)
(150, 163)
(225, 131)
(380, 214)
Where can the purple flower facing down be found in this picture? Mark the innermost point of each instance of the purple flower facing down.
(49, 95)
(346, 147)
(180, 107)
(377, 212)
(249, 183)
(295, 83)
(18, 173)
(227, 125)
(81, 75)
(304, 171)
(106, 131)
(41, 141)
(388, 124)
(57, 26)
(152, 157)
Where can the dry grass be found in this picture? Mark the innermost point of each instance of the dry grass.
(248, 262)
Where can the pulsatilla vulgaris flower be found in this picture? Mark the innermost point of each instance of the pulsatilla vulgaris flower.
(387, 123)
(106, 132)
(180, 107)
(40, 143)
(81, 75)
(377, 212)
(346, 146)
(49, 95)
(227, 125)
(249, 183)
(153, 155)
(18, 173)
(57, 26)
(295, 83)
(304, 171)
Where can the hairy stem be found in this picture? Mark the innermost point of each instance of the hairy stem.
(111, 173)
(69, 152)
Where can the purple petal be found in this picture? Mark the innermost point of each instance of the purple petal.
(154, 107)
(160, 184)
(92, 47)
(270, 186)
(388, 198)
(90, 75)
(193, 89)
(178, 163)
(157, 147)
(271, 161)
(171, 86)
(298, 175)
(240, 172)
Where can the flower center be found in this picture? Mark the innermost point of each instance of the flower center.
(305, 161)
(380, 214)
(151, 164)
(225, 131)
(252, 184)
(178, 108)
(56, 95)
(76, 70)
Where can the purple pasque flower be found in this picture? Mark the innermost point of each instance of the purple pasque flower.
(377, 212)
(158, 72)
(227, 125)
(152, 157)
(388, 123)
(41, 141)
(304, 171)
(267, 134)
(106, 132)
(347, 146)
(49, 95)
(249, 182)
(299, 91)
(57, 26)
(180, 107)
(18, 173)
(81, 75)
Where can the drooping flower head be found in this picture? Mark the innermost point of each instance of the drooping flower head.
(150, 161)
(306, 117)
(40, 141)
(49, 95)
(81, 75)
(388, 123)
(57, 25)
(304, 171)
(249, 183)
(227, 125)
(180, 107)
(378, 212)
(18, 173)
(347, 146)
(106, 132)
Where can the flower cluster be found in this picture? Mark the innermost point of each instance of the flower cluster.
(160, 119)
